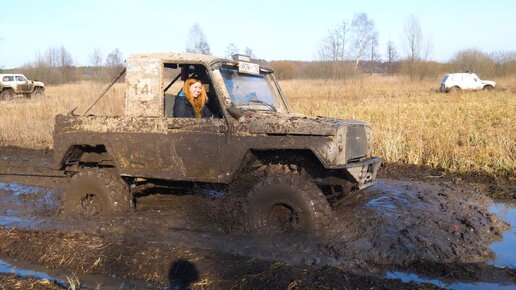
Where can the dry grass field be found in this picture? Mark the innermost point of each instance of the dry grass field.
(471, 132)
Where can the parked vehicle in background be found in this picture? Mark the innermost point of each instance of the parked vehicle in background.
(465, 81)
(14, 84)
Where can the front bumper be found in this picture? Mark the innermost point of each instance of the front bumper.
(363, 173)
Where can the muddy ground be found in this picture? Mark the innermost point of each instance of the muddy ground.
(412, 220)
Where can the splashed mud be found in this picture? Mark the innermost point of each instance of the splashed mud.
(377, 235)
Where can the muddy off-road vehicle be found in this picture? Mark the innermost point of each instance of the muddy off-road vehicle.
(289, 169)
(17, 84)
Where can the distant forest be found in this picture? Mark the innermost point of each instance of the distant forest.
(483, 65)
(351, 48)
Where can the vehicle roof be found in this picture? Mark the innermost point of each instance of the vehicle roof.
(1, 75)
(182, 57)
(174, 57)
(465, 73)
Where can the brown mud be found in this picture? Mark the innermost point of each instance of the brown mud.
(435, 225)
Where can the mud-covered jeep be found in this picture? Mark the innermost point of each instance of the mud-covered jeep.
(17, 84)
(290, 169)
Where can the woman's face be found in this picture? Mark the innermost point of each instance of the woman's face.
(195, 89)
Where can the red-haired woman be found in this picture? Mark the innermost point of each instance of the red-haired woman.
(191, 101)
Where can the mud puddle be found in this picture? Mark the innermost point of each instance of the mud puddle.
(390, 224)
(71, 280)
(505, 256)
(407, 278)
(7, 268)
(23, 206)
(506, 249)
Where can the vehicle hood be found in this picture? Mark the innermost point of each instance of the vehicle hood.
(38, 83)
(292, 124)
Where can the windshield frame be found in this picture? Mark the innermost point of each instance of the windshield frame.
(264, 80)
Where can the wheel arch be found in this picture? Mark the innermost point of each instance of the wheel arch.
(38, 88)
(86, 155)
(305, 158)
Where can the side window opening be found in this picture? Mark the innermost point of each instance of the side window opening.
(173, 78)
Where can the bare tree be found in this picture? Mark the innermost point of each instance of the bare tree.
(231, 49)
(414, 38)
(54, 66)
(418, 48)
(197, 41)
(363, 32)
(96, 58)
(248, 51)
(392, 56)
(49, 58)
(392, 52)
(64, 58)
(505, 62)
(65, 63)
(474, 60)
(373, 45)
(114, 63)
(114, 59)
(335, 43)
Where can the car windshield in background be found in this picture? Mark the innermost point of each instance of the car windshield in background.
(250, 91)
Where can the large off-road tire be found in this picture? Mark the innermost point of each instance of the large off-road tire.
(38, 91)
(287, 202)
(7, 94)
(96, 191)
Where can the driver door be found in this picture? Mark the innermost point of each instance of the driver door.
(196, 146)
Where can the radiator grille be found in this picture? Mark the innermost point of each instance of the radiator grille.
(356, 143)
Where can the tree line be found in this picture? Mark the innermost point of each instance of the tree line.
(349, 49)
(56, 66)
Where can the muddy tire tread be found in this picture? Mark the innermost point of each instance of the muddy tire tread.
(297, 179)
(116, 197)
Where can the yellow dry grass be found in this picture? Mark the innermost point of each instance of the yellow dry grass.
(471, 132)
(30, 122)
(414, 124)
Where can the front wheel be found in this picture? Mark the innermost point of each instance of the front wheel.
(488, 88)
(38, 91)
(96, 191)
(288, 202)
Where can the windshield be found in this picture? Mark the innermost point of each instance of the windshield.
(248, 91)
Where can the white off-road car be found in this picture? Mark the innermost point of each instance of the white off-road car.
(465, 81)
(17, 84)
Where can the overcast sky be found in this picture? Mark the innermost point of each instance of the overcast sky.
(273, 29)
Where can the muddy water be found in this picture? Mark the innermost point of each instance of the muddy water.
(391, 223)
(505, 251)
(21, 272)
(92, 281)
(405, 277)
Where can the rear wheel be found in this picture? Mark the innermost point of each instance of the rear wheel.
(6, 94)
(454, 90)
(96, 191)
(287, 202)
